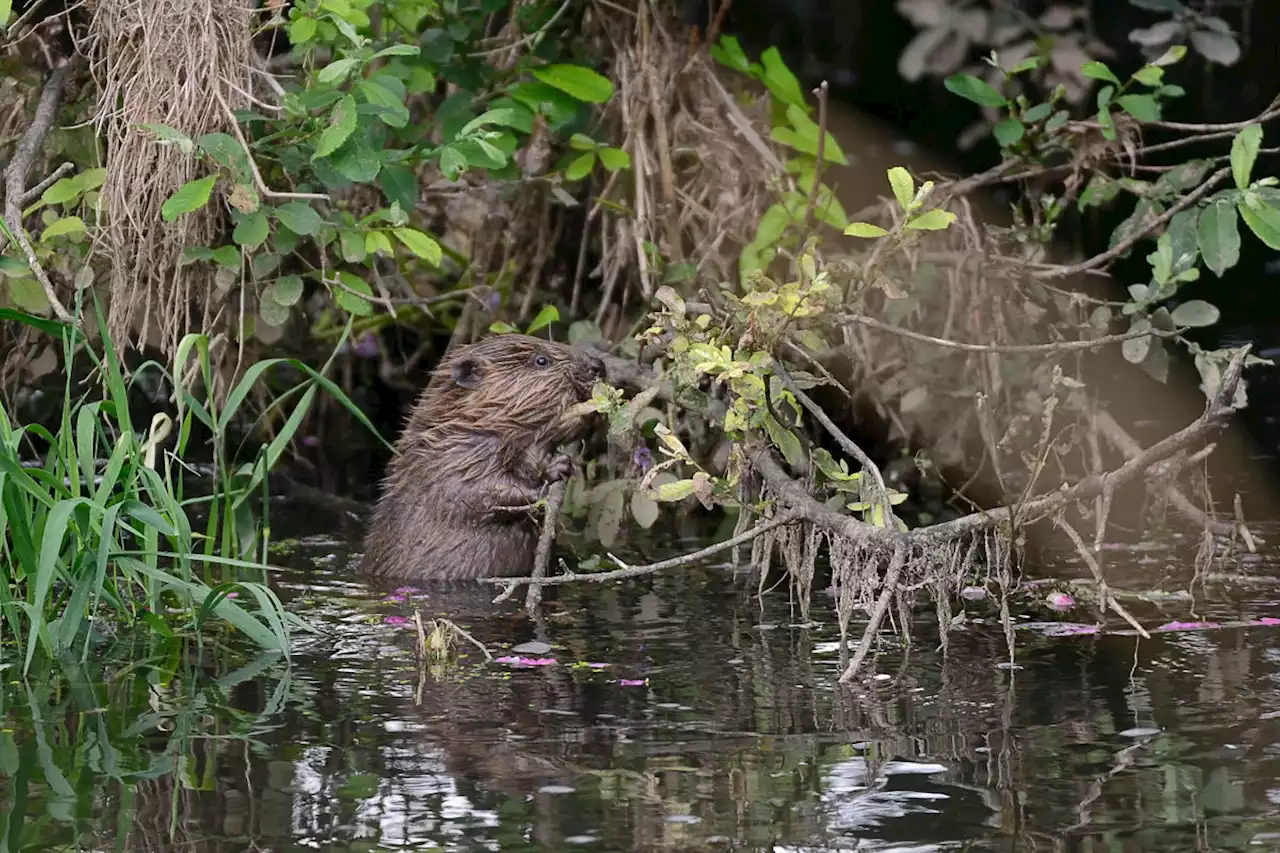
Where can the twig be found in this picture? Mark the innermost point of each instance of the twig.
(253, 165)
(888, 587)
(1120, 439)
(1061, 346)
(36, 191)
(15, 178)
(846, 443)
(821, 92)
(541, 557)
(795, 495)
(1130, 241)
(480, 54)
(1108, 599)
(675, 562)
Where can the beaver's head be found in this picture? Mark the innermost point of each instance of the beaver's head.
(515, 385)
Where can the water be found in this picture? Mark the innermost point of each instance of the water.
(711, 722)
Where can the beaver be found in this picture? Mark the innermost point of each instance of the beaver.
(477, 449)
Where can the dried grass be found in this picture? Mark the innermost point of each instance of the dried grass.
(161, 62)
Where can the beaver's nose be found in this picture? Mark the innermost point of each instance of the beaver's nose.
(595, 367)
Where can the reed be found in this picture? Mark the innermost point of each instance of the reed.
(104, 533)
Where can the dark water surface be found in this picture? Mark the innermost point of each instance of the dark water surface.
(716, 725)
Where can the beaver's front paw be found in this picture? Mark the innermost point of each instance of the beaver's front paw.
(559, 468)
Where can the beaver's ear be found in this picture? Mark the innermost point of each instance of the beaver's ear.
(467, 373)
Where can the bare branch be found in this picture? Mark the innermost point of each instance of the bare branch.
(1060, 346)
(15, 179)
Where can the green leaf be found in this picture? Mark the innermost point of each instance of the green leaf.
(1244, 151)
(227, 256)
(391, 109)
(730, 54)
(864, 229)
(1264, 222)
(6, 8)
(286, 290)
(352, 246)
(252, 230)
(786, 441)
(577, 81)
(1039, 112)
(582, 142)
(580, 167)
(399, 185)
(350, 302)
(1149, 75)
(1171, 56)
(933, 220)
(398, 50)
(342, 122)
(614, 159)
(264, 264)
(1141, 107)
(420, 244)
(807, 131)
(299, 218)
(189, 197)
(903, 186)
(777, 77)
(166, 135)
(548, 315)
(302, 31)
(28, 295)
(62, 191)
(1009, 132)
(1099, 71)
(337, 71)
(65, 225)
(1182, 239)
(972, 89)
(1195, 313)
(676, 491)
(644, 509)
(1219, 236)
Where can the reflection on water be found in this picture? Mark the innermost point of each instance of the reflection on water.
(680, 714)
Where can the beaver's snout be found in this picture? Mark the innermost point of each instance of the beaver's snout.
(590, 369)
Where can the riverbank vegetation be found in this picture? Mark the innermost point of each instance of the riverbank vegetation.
(343, 189)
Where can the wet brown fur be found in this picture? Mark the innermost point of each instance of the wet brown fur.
(479, 440)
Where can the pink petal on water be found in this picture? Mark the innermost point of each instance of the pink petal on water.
(396, 620)
(1186, 626)
(633, 682)
(523, 661)
(1060, 601)
(396, 598)
(1269, 620)
(407, 590)
(599, 665)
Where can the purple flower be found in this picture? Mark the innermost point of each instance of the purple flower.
(395, 598)
(367, 346)
(1186, 626)
(643, 458)
(396, 620)
(633, 682)
(407, 590)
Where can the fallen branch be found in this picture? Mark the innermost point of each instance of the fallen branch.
(15, 179)
(675, 562)
(888, 587)
(555, 498)
(1057, 347)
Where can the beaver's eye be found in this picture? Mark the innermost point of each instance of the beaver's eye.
(542, 361)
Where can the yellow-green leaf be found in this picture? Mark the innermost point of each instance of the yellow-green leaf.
(903, 186)
(581, 83)
(933, 220)
(864, 229)
(65, 225)
(420, 244)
